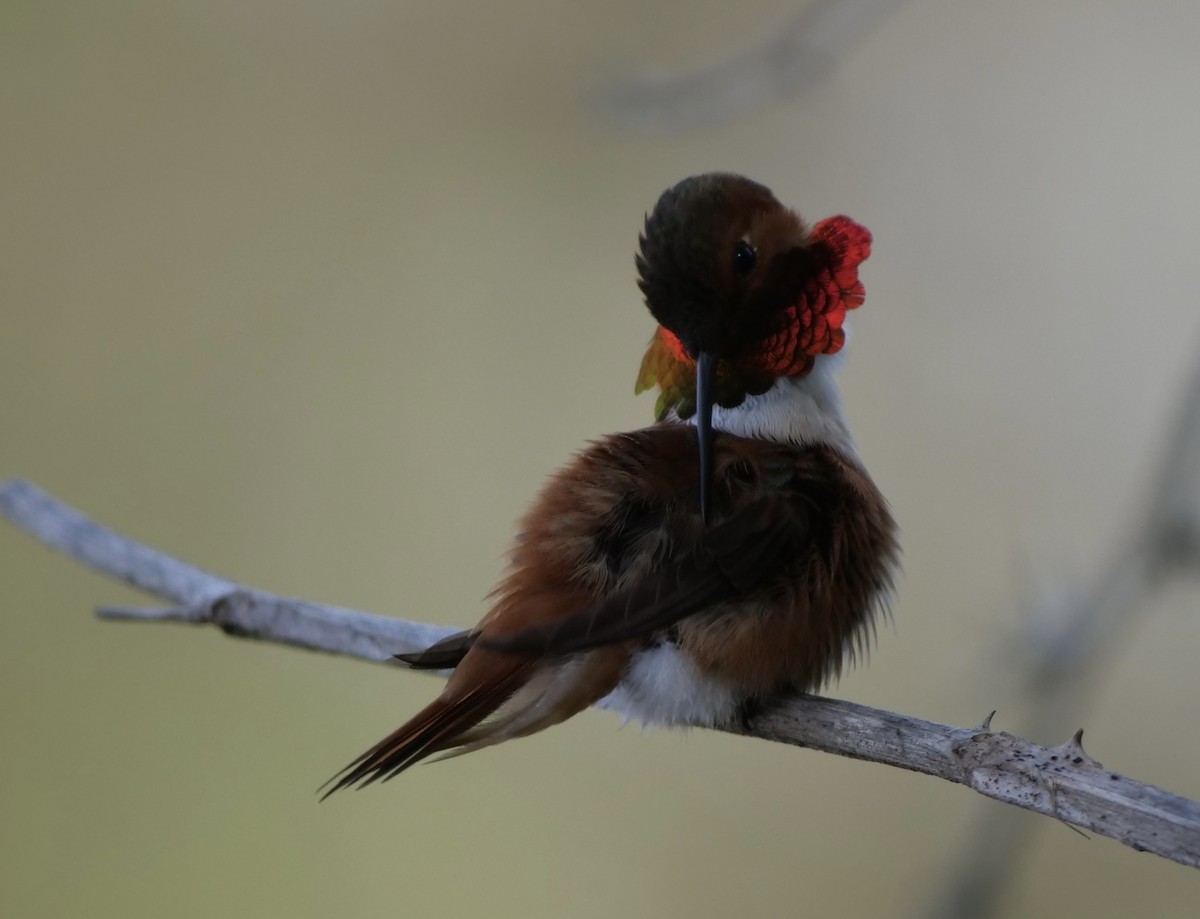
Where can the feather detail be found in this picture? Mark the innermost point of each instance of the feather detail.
(443, 655)
(434, 728)
(730, 561)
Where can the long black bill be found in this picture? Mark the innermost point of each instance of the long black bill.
(706, 377)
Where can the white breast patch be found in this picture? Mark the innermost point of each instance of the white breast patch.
(663, 686)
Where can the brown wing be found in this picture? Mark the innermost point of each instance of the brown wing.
(733, 559)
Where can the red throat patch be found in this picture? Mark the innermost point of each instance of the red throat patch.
(813, 324)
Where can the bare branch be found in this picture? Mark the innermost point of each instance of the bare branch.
(201, 597)
(1063, 782)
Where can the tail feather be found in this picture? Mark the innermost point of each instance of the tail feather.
(433, 729)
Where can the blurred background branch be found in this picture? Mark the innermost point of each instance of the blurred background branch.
(1067, 641)
(1063, 782)
(792, 59)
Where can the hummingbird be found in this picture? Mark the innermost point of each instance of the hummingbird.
(736, 549)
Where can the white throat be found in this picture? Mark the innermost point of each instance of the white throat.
(796, 410)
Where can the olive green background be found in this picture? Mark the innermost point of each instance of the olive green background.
(314, 295)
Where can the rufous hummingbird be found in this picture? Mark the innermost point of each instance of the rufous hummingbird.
(733, 550)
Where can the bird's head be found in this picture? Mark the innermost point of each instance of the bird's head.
(744, 293)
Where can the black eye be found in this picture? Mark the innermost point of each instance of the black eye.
(744, 258)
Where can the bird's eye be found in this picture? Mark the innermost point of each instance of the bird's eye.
(744, 258)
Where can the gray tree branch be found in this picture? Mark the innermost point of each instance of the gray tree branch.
(1063, 782)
